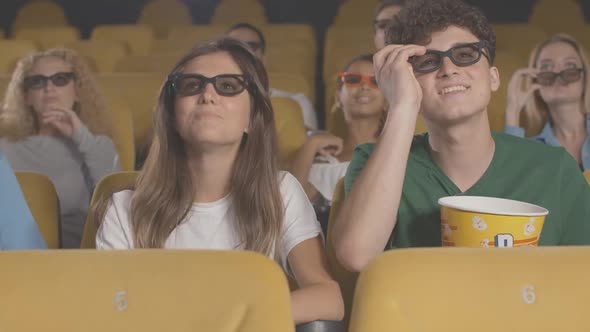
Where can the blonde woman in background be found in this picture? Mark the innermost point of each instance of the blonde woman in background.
(556, 98)
(211, 178)
(55, 122)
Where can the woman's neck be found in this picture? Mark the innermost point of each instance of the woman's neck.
(211, 172)
(568, 120)
(360, 131)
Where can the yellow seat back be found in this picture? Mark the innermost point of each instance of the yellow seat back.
(555, 16)
(172, 46)
(188, 36)
(48, 37)
(587, 176)
(291, 62)
(139, 92)
(290, 34)
(101, 55)
(143, 290)
(12, 51)
(233, 11)
(507, 64)
(294, 83)
(4, 81)
(154, 63)
(122, 135)
(138, 38)
(109, 185)
(355, 13)
(161, 15)
(467, 289)
(182, 38)
(42, 200)
(290, 128)
(518, 38)
(40, 13)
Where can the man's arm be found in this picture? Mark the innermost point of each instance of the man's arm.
(369, 213)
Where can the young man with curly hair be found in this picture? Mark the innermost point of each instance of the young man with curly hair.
(439, 62)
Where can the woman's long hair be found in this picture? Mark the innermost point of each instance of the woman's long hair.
(18, 120)
(536, 112)
(164, 191)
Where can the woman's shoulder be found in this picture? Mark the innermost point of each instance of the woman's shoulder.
(122, 199)
(291, 189)
(288, 181)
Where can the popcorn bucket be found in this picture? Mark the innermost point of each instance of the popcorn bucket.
(472, 221)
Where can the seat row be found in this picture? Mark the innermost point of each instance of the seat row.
(159, 14)
(411, 289)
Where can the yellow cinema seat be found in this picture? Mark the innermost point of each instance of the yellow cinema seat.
(143, 290)
(467, 289)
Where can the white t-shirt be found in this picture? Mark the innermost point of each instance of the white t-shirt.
(209, 225)
(325, 175)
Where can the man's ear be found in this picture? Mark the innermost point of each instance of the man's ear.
(494, 78)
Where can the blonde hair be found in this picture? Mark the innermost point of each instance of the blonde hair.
(536, 111)
(18, 121)
(164, 191)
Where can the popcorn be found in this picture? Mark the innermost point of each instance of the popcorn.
(529, 227)
(479, 224)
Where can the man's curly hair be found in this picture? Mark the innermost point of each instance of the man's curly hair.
(416, 22)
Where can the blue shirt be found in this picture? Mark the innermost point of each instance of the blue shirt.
(546, 137)
(18, 229)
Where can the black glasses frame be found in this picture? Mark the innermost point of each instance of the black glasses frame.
(30, 81)
(551, 77)
(480, 46)
(172, 80)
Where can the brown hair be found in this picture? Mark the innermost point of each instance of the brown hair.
(387, 3)
(416, 22)
(18, 121)
(536, 112)
(164, 191)
(251, 27)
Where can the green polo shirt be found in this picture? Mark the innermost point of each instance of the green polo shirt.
(520, 169)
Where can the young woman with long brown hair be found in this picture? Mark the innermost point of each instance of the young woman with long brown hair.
(211, 179)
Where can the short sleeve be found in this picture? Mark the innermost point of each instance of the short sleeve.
(300, 222)
(114, 231)
(360, 157)
(575, 203)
